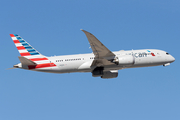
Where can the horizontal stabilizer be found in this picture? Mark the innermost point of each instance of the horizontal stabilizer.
(10, 68)
(25, 61)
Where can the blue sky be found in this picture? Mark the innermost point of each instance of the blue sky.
(53, 28)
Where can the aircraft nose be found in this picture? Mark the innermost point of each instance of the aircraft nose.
(172, 59)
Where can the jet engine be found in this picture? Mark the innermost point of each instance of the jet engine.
(99, 72)
(110, 74)
(125, 60)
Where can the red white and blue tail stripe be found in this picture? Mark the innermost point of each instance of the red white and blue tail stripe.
(27, 51)
(24, 48)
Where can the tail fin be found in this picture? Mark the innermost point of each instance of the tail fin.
(24, 48)
(29, 56)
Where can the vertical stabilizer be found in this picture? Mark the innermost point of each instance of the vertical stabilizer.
(24, 48)
(30, 57)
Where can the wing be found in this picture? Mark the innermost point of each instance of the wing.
(100, 51)
(101, 62)
(103, 55)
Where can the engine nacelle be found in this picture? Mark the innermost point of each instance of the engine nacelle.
(110, 74)
(126, 60)
(97, 72)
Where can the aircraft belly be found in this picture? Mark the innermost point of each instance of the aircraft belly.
(68, 66)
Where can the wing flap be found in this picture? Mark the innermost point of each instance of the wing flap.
(101, 62)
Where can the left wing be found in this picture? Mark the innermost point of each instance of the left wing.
(100, 51)
(103, 56)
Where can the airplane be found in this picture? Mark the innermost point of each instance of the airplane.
(101, 63)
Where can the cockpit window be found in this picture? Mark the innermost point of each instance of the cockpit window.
(167, 53)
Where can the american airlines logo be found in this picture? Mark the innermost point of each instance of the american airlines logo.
(143, 54)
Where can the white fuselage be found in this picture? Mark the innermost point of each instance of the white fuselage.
(101, 63)
(83, 62)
